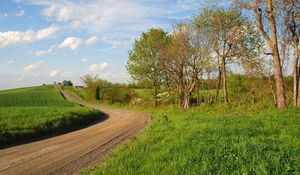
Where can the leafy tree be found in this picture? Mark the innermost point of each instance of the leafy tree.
(67, 83)
(145, 58)
(232, 38)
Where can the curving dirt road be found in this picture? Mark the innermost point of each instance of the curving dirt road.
(69, 153)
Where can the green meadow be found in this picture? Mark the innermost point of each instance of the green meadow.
(211, 142)
(30, 112)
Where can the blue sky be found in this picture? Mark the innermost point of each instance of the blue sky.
(42, 41)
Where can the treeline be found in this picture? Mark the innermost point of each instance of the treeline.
(195, 63)
(243, 90)
(217, 39)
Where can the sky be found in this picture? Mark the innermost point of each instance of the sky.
(42, 41)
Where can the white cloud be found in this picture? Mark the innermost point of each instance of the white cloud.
(9, 62)
(98, 15)
(98, 67)
(103, 15)
(54, 73)
(72, 43)
(84, 59)
(46, 52)
(93, 68)
(103, 66)
(20, 13)
(91, 41)
(116, 18)
(34, 67)
(16, 37)
(42, 53)
(64, 14)
(46, 33)
(75, 25)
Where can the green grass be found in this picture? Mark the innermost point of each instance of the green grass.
(37, 96)
(195, 142)
(30, 112)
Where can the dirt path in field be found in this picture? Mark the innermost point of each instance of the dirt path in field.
(69, 153)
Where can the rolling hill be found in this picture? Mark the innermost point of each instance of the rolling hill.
(27, 113)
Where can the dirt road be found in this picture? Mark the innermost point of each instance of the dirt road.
(69, 153)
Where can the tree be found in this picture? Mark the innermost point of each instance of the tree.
(67, 83)
(184, 60)
(291, 10)
(231, 36)
(266, 23)
(90, 87)
(145, 58)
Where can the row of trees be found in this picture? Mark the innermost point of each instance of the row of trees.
(213, 41)
(276, 20)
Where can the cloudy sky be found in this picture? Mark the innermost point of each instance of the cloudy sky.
(42, 41)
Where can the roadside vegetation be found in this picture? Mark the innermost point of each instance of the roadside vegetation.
(197, 142)
(31, 112)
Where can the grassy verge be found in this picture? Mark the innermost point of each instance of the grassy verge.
(31, 112)
(197, 142)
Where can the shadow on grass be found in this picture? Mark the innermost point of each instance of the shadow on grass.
(46, 131)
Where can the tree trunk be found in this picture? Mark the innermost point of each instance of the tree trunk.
(219, 83)
(298, 55)
(155, 96)
(298, 102)
(198, 93)
(181, 99)
(273, 44)
(272, 90)
(225, 90)
(186, 102)
(280, 92)
(296, 73)
(296, 81)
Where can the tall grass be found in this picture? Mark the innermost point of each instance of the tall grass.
(197, 142)
(31, 112)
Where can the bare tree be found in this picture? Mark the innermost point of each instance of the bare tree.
(184, 61)
(260, 8)
(291, 10)
(232, 38)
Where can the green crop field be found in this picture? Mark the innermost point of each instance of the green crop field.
(30, 112)
(195, 142)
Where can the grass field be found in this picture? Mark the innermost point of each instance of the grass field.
(194, 142)
(30, 112)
